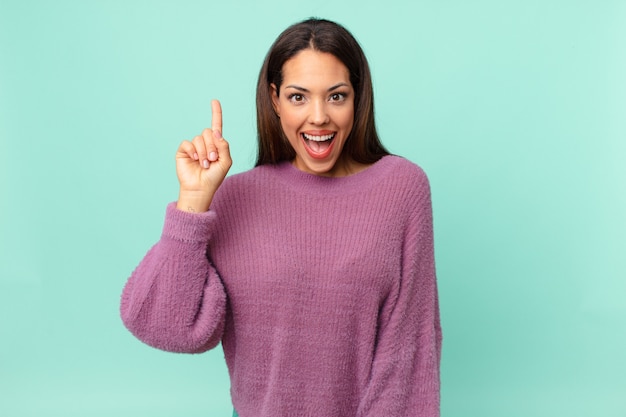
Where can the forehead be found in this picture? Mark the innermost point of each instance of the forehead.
(309, 67)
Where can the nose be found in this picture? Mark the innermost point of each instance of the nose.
(319, 114)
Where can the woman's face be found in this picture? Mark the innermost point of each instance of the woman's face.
(316, 109)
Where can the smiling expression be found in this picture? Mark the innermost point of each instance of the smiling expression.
(316, 109)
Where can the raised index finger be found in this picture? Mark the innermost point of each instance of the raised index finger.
(216, 119)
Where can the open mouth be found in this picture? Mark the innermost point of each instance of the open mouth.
(318, 146)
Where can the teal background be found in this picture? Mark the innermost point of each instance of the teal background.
(516, 109)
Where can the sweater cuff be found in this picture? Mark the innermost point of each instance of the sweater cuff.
(187, 227)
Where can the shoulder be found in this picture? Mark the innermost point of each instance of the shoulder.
(243, 186)
(246, 179)
(407, 187)
(401, 172)
(406, 168)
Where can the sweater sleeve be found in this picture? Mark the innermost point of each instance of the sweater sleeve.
(404, 380)
(174, 300)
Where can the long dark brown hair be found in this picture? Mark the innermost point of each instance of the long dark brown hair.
(363, 144)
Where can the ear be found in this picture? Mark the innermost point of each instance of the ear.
(275, 101)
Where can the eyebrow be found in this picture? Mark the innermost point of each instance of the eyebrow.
(334, 87)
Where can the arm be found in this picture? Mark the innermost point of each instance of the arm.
(405, 378)
(174, 299)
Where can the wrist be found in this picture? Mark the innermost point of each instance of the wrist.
(193, 201)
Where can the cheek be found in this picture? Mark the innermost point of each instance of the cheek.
(290, 122)
(347, 119)
(285, 125)
(289, 128)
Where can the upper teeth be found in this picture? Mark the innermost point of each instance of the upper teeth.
(318, 138)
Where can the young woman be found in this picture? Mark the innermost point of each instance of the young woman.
(315, 269)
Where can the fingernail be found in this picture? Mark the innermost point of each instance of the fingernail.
(212, 156)
(217, 134)
(205, 163)
(195, 156)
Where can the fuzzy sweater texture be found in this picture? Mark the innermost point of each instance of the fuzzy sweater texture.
(321, 290)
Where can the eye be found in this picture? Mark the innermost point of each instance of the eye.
(295, 98)
(338, 97)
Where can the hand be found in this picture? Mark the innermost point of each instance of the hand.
(202, 165)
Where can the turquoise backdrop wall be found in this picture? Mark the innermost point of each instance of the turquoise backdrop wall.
(516, 110)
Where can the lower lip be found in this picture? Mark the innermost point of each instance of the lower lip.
(320, 155)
